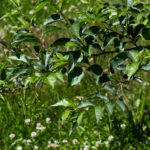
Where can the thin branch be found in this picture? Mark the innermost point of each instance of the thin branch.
(111, 52)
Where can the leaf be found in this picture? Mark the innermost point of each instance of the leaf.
(65, 103)
(109, 39)
(51, 80)
(75, 29)
(18, 72)
(50, 29)
(53, 18)
(3, 43)
(110, 88)
(110, 108)
(2, 98)
(61, 41)
(13, 12)
(74, 57)
(118, 60)
(28, 38)
(65, 114)
(80, 118)
(146, 33)
(132, 68)
(24, 22)
(97, 71)
(146, 67)
(85, 104)
(98, 112)
(104, 78)
(75, 76)
(98, 95)
(40, 6)
(121, 104)
(22, 58)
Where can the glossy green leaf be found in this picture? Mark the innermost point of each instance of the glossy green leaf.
(110, 108)
(98, 112)
(97, 71)
(65, 103)
(65, 114)
(50, 29)
(121, 104)
(22, 58)
(110, 88)
(85, 104)
(40, 6)
(98, 95)
(132, 68)
(28, 38)
(53, 18)
(80, 118)
(75, 29)
(75, 76)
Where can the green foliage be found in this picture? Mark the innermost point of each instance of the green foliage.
(101, 48)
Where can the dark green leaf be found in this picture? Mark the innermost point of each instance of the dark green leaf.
(98, 112)
(121, 104)
(50, 29)
(28, 38)
(146, 33)
(85, 104)
(61, 41)
(98, 95)
(53, 18)
(110, 88)
(132, 68)
(97, 71)
(75, 76)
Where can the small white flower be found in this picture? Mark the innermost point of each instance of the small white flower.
(39, 126)
(75, 141)
(48, 120)
(65, 141)
(29, 141)
(12, 136)
(123, 126)
(144, 128)
(27, 121)
(33, 134)
(110, 138)
(19, 148)
(56, 142)
(97, 143)
(36, 147)
(86, 147)
(31, 12)
(106, 143)
(45, 7)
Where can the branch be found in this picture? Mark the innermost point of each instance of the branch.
(111, 52)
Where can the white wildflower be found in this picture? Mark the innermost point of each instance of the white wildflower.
(65, 141)
(48, 120)
(86, 147)
(106, 143)
(29, 141)
(19, 148)
(31, 12)
(75, 141)
(27, 121)
(45, 7)
(39, 126)
(12, 136)
(110, 138)
(123, 126)
(33, 134)
(36, 147)
(97, 143)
